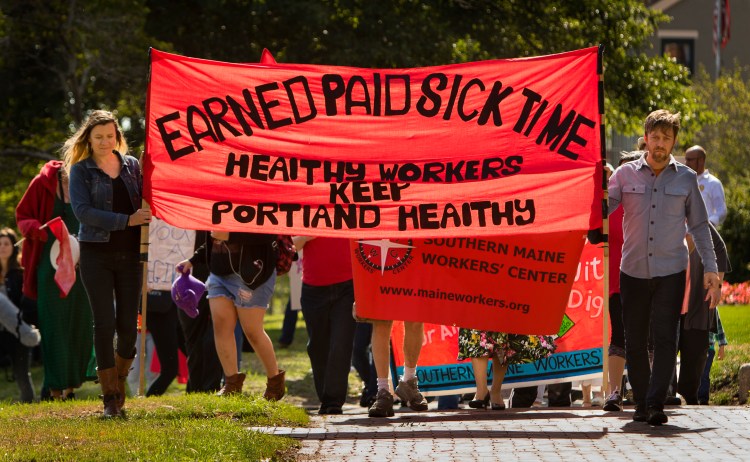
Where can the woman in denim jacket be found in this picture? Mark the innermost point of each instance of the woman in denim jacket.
(105, 191)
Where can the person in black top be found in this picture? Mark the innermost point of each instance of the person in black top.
(240, 286)
(105, 191)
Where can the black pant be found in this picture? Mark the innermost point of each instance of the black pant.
(113, 284)
(693, 347)
(20, 359)
(362, 358)
(558, 395)
(204, 368)
(167, 336)
(289, 325)
(651, 304)
(330, 330)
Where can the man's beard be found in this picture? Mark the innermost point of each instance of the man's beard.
(659, 156)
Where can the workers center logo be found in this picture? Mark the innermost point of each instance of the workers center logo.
(384, 254)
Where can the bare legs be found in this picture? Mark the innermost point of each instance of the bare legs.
(480, 378)
(381, 345)
(225, 316)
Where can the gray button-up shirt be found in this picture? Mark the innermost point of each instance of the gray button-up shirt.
(658, 212)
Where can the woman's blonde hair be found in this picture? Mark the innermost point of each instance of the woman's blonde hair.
(77, 147)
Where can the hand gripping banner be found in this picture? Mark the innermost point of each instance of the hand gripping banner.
(488, 148)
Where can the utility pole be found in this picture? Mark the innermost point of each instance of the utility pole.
(717, 38)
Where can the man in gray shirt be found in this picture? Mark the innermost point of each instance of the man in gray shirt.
(661, 201)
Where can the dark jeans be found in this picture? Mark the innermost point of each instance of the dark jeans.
(167, 340)
(330, 330)
(113, 284)
(289, 325)
(693, 347)
(20, 358)
(705, 387)
(617, 339)
(558, 395)
(362, 358)
(204, 368)
(653, 304)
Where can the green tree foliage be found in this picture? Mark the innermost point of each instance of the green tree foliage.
(726, 141)
(736, 228)
(408, 33)
(727, 138)
(62, 58)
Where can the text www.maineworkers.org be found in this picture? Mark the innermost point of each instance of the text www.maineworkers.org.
(455, 297)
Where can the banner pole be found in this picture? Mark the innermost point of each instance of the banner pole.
(144, 252)
(605, 229)
(144, 302)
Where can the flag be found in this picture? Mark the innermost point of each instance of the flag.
(724, 34)
(65, 276)
(266, 57)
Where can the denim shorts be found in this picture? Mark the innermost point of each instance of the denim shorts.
(232, 287)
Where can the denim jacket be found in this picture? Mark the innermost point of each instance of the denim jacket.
(91, 197)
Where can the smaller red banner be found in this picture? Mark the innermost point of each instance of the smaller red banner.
(518, 284)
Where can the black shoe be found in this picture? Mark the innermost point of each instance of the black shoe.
(330, 410)
(702, 402)
(672, 401)
(656, 416)
(614, 402)
(497, 407)
(640, 414)
(366, 399)
(480, 403)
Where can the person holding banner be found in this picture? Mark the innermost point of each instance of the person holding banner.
(659, 197)
(616, 351)
(408, 387)
(204, 368)
(240, 286)
(65, 322)
(327, 299)
(105, 192)
(503, 349)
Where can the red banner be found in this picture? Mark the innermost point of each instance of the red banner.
(516, 284)
(479, 149)
(579, 342)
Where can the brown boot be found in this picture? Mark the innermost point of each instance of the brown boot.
(275, 387)
(123, 368)
(110, 393)
(232, 385)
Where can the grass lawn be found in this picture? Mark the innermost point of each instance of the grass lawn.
(724, 374)
(177, 426)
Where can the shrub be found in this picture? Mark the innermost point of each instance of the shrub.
(736, 229)
(735, 294)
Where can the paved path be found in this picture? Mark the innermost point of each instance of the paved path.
(710, 433)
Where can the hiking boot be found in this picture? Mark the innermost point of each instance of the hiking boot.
(383, 405)
(672, 401)
(409, 393)
(614, 402)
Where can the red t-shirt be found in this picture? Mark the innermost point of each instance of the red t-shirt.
(615, 249)
(326, 261)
